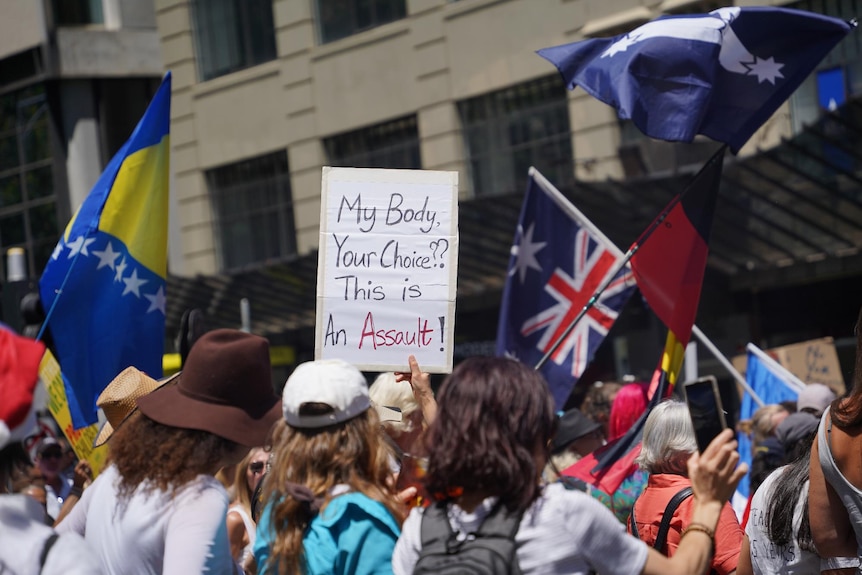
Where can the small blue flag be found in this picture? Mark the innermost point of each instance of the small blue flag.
(104, 286)
(721, 74)
(558, 260)
(772, 383)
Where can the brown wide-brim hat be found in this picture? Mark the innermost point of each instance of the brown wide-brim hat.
(120, 399)
(225, 388)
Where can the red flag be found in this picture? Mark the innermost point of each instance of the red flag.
(670, 262)
(19, 372)
(607, 478)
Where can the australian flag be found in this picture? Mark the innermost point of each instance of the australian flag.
(558, 260)
(721, 74)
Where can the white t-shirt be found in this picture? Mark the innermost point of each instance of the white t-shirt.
(151, 533)
(23, 534)
(768, 558)
(563, 532)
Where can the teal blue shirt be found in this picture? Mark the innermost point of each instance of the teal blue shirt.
(353, 534)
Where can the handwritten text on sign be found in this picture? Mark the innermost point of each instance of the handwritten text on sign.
(387, 268)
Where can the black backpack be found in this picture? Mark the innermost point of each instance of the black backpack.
(489, 551)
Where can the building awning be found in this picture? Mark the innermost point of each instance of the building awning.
(788, 215)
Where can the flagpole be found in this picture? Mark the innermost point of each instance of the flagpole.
(626, 257)
(727, 365)
(56, 297)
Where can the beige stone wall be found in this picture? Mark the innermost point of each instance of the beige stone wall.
(441, 53)
(22, 26)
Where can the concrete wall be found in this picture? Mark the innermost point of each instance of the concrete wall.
(22, 26)
(441, 53)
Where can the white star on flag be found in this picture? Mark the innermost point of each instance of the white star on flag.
(80, 245)
(107, 257)
(157, 301)
(133, 284)
(525, 253)
(58, 249)
(766, 70)
(121, 267)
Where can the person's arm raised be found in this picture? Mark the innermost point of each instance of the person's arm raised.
(420, 382)
(714, 475)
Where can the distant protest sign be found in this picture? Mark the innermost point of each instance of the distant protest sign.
(387, 268)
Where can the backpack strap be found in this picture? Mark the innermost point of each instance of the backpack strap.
(43, 556)
(664, 526)
(632, 523)
(435, 529)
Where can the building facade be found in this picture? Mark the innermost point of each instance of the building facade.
(75, 76)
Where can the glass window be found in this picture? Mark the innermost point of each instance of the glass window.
(77, 12)
(28, 207)
(254, 210)
(508, 131)
(232, 35)
(393, 144)
(341, 18)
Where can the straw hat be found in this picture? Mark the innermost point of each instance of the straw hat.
(120, 399)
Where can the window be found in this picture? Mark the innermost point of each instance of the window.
(393, 144)
(812, 97)
(232, 35)
(253, 210)
(508, 131)
(342, 18)
(77, 12)
(28, 206)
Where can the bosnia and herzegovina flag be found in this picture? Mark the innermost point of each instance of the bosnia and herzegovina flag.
(104, 287)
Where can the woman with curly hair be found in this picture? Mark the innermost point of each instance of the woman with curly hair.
(487, 448)
(157, 508)
(329, 504)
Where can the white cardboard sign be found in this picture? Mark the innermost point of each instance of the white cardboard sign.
(387, 268)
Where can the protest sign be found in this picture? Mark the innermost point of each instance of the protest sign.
(811, 361)
(387, 268)
(82, 439)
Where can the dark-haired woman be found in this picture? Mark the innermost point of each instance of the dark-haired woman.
(835, 493)
(158, 509)
(488, 446)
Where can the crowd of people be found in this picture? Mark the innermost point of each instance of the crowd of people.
(210, 472)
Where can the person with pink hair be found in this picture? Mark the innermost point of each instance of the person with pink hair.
(629, 404)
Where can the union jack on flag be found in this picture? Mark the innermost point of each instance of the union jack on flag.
(558, 260)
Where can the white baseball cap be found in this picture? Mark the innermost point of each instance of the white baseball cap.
(332, 382)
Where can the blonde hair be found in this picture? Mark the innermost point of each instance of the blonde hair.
(388, 392)
(761, 424)
(347, 453)
(240, 482)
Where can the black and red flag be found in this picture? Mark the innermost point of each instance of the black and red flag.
(668, 260)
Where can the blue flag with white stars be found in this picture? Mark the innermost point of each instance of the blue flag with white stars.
(104, 286)
(721, 74)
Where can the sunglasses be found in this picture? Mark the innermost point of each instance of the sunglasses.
(256, 467)
(52, 454)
